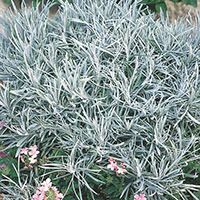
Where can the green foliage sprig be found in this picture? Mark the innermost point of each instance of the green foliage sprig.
(157, 5)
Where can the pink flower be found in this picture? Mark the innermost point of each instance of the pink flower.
(123, 165)
(2, 123)
(111, 160)
(112, 166)
(42, 195)
(140, 197)
(24, 151)
(2, 166)
(22, 159)
(121, 170)
(33, 148)
(3, 155)
(33, 151)
(32, 160)
(30, 156)
(46, 185)
(59, 196)
(56, 193)
(36, 195)
(55, 190)
(39, 195)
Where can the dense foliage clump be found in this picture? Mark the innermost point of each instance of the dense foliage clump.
(98, 81)
(153, 5)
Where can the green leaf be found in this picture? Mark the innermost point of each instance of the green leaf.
(1, 147)
(5, 171)
(160, 6)
(148, 2)
(35, 2)
(7, 1)
(190, 2)
(109, 179)
(197, 194)
(116, 183)
(109, 190)
(176, 1)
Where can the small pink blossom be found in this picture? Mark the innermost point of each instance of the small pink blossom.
(113, 166)
(24, 151)
(32, 160)
(121, 170)
(2, 154)
(33, 148)
(123, 165)
(59, 196)
(42, 192)
(2, 166)
(22, 159)
(46, 184)
(33, 151)
(29, 155)
(111, 160)
(39, 195)
(56, 193)
(36, 195)
(140, 197)
(54, 189)
(2, 123)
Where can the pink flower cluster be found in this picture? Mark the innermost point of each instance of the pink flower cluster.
(113, 166)
(47, 191)
(29, 155)
(2, 154)
(3, 166)
(140, 197)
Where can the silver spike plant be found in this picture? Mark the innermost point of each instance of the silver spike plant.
(101, 80)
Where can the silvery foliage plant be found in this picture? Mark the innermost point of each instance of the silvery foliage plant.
(102, 80)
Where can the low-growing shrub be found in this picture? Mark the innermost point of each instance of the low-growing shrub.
(96, 86)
